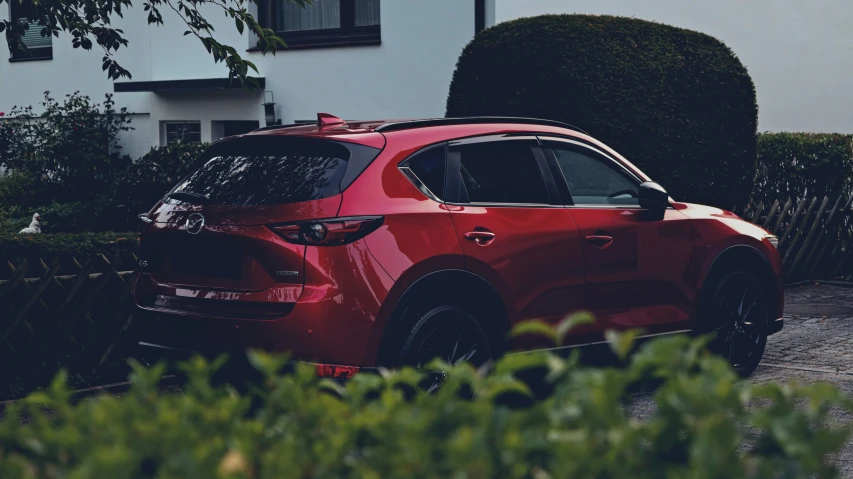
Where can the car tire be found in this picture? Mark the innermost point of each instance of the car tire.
(447, 331)
(736, 314)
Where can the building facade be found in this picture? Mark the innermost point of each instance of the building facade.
(353, 58)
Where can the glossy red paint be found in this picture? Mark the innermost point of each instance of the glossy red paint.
(629, 268)
(532, 256)
(717, 230)
(643, 274)
(344, 288)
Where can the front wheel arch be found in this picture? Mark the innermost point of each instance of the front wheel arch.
(740, 257)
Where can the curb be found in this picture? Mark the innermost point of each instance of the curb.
(845, 284)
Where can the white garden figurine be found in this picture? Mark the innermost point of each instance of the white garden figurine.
(34, 227)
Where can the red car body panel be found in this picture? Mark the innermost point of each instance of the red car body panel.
(335, 303)
(646, 277)
(535, 260)
(716, 230)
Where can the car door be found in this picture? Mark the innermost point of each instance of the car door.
(514, 231)
(638, 265)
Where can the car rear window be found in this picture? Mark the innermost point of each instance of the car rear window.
(267, 171)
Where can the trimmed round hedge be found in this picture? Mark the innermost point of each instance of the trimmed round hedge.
(677, 103)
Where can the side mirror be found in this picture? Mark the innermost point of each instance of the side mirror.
(653, 197)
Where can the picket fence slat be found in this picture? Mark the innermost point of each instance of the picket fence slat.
(815, 235)
(804, 248)
(773, 210)
(782, 214)
(822, 243)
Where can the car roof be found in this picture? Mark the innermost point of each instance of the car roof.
(373, 132)
(331, 126)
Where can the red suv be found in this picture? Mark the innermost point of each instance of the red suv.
(358, 244)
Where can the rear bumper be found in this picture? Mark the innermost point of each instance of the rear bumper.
(151, 353)
(330, 321)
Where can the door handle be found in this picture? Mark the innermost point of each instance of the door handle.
(480, 237)
(600, 241)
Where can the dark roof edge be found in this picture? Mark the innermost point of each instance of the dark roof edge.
(475, 120)
(172, 85)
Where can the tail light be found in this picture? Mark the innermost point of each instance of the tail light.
(334, 371)
(329, 232)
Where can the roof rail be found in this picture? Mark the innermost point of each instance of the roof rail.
(474, 120)
(276, 127)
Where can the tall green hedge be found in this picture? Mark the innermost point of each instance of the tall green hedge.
(677, 103)
(793, 165)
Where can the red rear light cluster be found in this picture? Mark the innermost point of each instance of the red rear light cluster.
(329, 232)
(333, 371)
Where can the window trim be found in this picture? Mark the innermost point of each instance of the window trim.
(165, 132)
(564, 185)
(456, 196)
(419, 184)
(30, 54)
(348, 35)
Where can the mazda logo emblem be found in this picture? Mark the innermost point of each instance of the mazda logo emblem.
(195, 223)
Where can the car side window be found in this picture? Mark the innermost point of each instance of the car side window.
(428, 167)
(594, 179)
(501, 172)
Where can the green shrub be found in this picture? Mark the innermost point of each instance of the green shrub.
(707, 424)
(67, 154)
(65, 247)
(677, 103)
(66, 165)
(150, 177)
(56, 217)
(794, 165)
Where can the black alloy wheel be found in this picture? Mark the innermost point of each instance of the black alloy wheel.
(739, 317)
(446, 332)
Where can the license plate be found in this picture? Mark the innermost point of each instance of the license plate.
(205, 261)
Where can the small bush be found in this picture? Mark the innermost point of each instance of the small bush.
(66, 165)
(707, 424)
(677, 103)
(69, 153)
(794, 165)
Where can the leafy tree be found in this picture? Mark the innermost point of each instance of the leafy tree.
(90, 23)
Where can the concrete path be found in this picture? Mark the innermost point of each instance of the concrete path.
(816, 344)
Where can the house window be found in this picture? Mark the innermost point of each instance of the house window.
(325, 23)
(182, 132)
(35, 46)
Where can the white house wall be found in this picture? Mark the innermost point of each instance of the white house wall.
(407, 76)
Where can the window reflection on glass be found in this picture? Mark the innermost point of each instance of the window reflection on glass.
(242, 174)
(323, 14)
(366, 13)
(593, 180)
(502, 172)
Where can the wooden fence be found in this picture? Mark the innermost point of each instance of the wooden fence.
(79, 322)
(815, 235)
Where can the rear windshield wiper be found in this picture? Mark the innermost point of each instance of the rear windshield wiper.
(189, 197)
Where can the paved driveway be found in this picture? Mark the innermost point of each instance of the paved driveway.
(816, 344)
